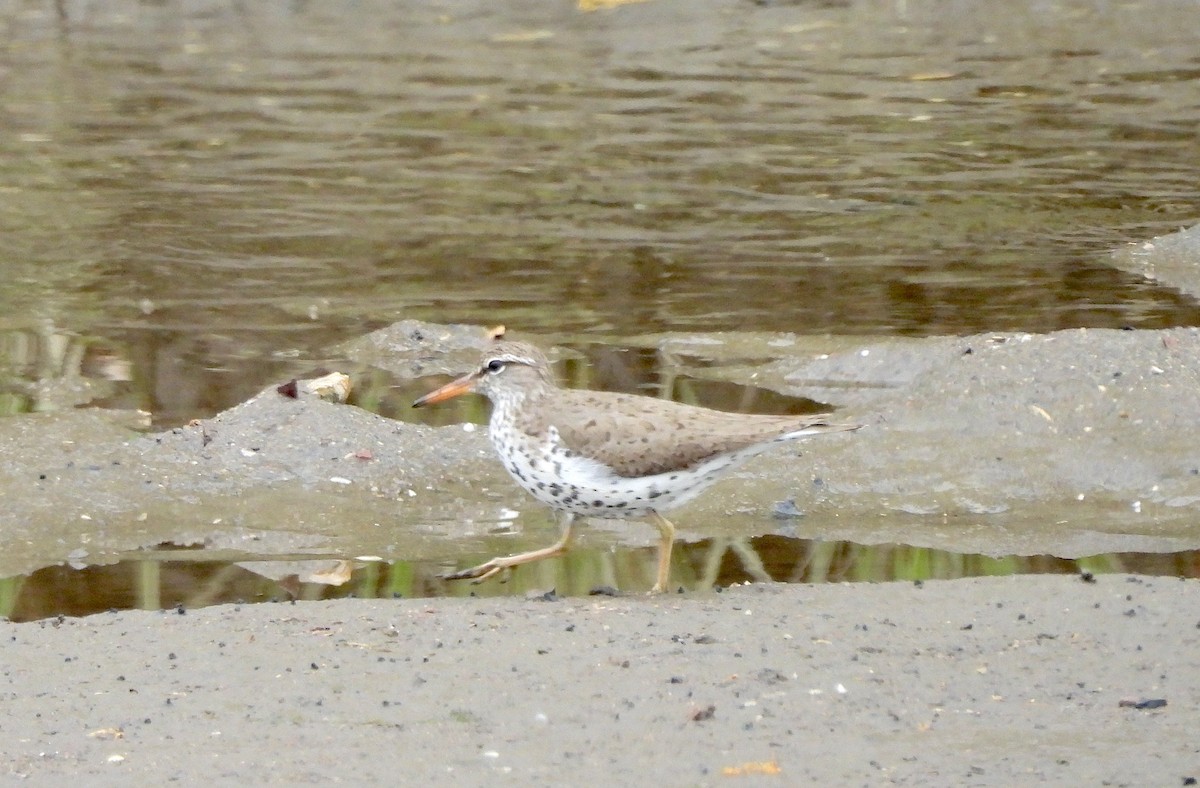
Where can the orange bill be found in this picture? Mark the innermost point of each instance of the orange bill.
(453, 389)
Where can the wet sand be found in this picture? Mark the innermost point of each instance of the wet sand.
(976, 441)
(994, 681)
(1070, 444)
(987, 682)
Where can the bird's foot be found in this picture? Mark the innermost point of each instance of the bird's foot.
(477, 574)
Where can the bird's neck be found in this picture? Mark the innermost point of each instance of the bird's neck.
(506, 405)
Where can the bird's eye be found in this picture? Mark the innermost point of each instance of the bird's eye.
(495, 365)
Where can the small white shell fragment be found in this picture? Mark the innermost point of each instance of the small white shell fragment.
(334, 387)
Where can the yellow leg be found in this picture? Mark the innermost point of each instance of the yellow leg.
(666, 538)
(477, 574)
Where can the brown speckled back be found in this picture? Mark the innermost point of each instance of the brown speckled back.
(639, 436)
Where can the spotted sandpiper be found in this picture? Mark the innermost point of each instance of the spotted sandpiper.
(604, 454)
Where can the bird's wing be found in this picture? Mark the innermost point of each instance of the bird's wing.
(641, 436)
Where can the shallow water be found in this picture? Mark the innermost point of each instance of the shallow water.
(178, 578)
(199, 199)
(209, 194)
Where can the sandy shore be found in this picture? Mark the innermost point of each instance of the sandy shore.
(1071, 443)
(999, 681)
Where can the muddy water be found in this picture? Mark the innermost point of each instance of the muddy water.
(184, 579)
(211, 193)
(200, 198)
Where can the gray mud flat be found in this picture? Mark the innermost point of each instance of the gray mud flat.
(985, 682)
(1070, 444)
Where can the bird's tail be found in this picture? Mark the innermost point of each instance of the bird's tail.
(820, 428)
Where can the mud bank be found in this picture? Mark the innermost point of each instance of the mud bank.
(1070, 444)
(998, 681)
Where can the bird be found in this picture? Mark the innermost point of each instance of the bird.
(606, 454)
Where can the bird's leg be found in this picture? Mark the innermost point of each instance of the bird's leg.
(666, 538)
(477, 574)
